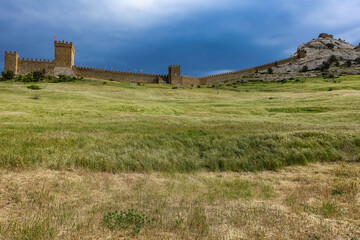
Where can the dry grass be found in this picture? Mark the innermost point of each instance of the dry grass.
(319, 201)
(85, 149)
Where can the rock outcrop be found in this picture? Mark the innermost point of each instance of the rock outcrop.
(319, 50)
(358, 48)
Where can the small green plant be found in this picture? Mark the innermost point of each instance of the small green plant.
(336, 192)
(62, 78)
(325, 66)
(132, 219)
(34, 87)
(330, 45)
(329, 208)
(8, 75)
(332, 59)
(270, 71)
(37, 76)
(304, 69)
(26, 78)
(348, 63)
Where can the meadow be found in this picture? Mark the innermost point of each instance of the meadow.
(114, 127)
(246, 160)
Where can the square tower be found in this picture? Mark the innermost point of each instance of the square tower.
(174, 74)
(11, 62)
(64, 54)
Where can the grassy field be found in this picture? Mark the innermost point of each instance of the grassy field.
(116, 128)
(194, 160)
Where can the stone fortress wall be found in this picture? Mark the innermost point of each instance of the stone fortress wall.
(119, 75)
(64, 60)
(27, 66)
(221, 78)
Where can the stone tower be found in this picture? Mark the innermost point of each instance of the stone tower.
(64, 58)
(174, 74)
(11, 62)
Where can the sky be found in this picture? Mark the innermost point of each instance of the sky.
(203, 36)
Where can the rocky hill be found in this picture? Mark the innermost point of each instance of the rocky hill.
(320, 50)
(318, 57)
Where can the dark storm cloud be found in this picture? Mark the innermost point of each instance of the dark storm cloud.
(204, 36)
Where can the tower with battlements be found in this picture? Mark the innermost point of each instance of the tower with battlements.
(64, 58)
(174, 75)
(11, 62)
(64, 54)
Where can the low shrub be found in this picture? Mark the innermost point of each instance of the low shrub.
(325, 66)
(304, 69)
(34, 87)
(27, 78)
(38, 76)
(330, 45)
(8, 75)
(348, 63)
(332, 59)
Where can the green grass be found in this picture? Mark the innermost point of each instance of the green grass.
(114, 127)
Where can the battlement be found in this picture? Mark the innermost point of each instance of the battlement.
(10, 53)
(63, 44)
(173, 65)
(36, 60)
(116, 75)
(117, 71)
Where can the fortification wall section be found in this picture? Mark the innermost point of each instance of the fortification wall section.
(186, 80)
(27, 66)
(221, 78)
(119, 75)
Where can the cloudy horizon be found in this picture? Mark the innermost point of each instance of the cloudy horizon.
(204, 37)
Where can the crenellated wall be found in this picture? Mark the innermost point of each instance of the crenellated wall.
(119, 75)
(221, 78)
(186, 80)
(63, 63)
(26, 66)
